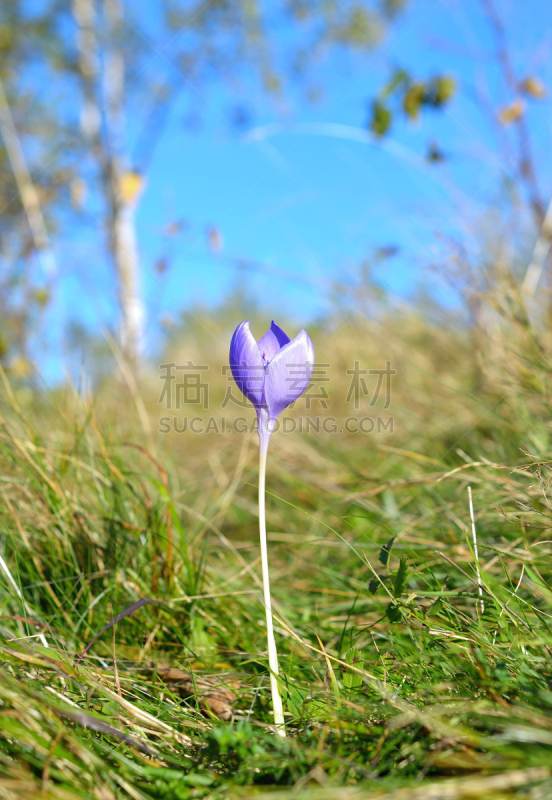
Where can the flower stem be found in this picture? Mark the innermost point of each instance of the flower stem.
(272, 654)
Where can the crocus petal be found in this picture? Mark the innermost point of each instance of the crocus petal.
(272, 341)
(288, 374)
(247, 365)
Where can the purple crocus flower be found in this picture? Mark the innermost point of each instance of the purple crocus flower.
(272, 372)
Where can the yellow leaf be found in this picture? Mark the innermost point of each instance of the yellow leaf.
(413, 99)
(509, 114)
(42, 296)
(534, 87)
(130, 186)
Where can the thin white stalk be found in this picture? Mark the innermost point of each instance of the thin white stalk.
(272, 653)
(475, 551)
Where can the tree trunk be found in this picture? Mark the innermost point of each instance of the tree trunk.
(105, 130)
(121, 225)
(125, 256)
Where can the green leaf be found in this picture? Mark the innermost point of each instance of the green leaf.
(350, 679)
(400, 577)
(374, 585)
(393, 613)
(399, 78)
(445, 89)
(385, 551)
(381, 118)
(295, 700)
(413, 99)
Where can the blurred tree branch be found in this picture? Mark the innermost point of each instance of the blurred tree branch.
(408, 96)
(526, 166)
(25, 185)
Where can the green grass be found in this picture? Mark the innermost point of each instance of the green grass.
(400, 679)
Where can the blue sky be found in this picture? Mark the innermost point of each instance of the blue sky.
(295, 191)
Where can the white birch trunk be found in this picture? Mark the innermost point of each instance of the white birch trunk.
(105, 130)
(127, 266)
(122, 226)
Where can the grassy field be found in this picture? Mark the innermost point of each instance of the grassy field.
(413, 667)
